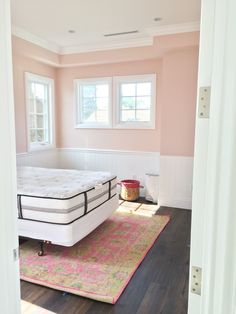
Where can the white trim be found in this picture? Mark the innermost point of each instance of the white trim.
(108, 151)
(213, 235)
(9, 275)
(117, 80)
(219, 254)
(111, 45)
(177, 203)
(34, 152)
(93, 81)
(143, 39)
(52, 140)
(174, 29)
(23, 34)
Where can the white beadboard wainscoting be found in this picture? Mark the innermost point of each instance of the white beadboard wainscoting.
(40, 158)
(176, 177)
(175, 185)
(125, 164)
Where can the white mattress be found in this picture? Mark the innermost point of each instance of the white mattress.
(59, 196)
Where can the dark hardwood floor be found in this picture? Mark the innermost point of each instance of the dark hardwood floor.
(159, 286)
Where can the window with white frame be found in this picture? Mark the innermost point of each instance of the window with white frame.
(135, 101)
(93, 103)
(40, 109)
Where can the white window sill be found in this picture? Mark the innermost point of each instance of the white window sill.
(135, 126)
(93, 126)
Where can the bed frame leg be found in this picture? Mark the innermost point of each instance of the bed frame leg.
(41, 248)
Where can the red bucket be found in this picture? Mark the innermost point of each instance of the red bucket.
(130, 189)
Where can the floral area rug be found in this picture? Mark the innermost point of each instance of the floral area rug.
(99, 266)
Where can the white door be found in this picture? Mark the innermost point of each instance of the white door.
(9, 274)
(213, 238)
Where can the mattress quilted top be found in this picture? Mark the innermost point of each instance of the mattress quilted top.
(58, 183)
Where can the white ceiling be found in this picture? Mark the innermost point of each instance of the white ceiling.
(48, 21)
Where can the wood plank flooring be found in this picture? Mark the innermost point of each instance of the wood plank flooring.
(159, 286)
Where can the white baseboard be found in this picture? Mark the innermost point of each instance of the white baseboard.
(182, 204)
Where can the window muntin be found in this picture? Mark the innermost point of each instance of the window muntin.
(39, 94)
(93, 102)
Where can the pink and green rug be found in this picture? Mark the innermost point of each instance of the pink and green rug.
(99, 266)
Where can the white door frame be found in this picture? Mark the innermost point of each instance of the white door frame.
(9, 275)
(213, 238)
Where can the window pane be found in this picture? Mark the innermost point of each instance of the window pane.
(32, 122)
(40, 136)
(89, 109)
(102, 91)
(143, 89)
(127, 102)
(39, 105)
(102, 103)
(40, 91)
(127, 115)
(32, 136)
(89, 90)
(89, 102)
(31, 105)
(143, 102)
(31, 89)
(128, 89)
(102, 116)
(89, 116)
(40, 121)
(143, 115)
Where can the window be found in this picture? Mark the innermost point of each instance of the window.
(119, 102)
(39, 99)
(93, 99)
(135, 101)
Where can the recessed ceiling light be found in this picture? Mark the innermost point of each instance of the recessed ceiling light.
(71, 31)
(157, 19)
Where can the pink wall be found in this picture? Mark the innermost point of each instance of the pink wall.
(176, 102)
(179, 102)
(173, 58)
(22, 64)
(68, 136)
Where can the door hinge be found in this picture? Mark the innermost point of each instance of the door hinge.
(16, 254)
(196, 280)
(204, 102)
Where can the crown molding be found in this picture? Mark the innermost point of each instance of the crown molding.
(116, 44)
(23, 34)
(174, 29)
(143, 39)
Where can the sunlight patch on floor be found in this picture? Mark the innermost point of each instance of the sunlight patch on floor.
(136, 208)
(29, 308)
